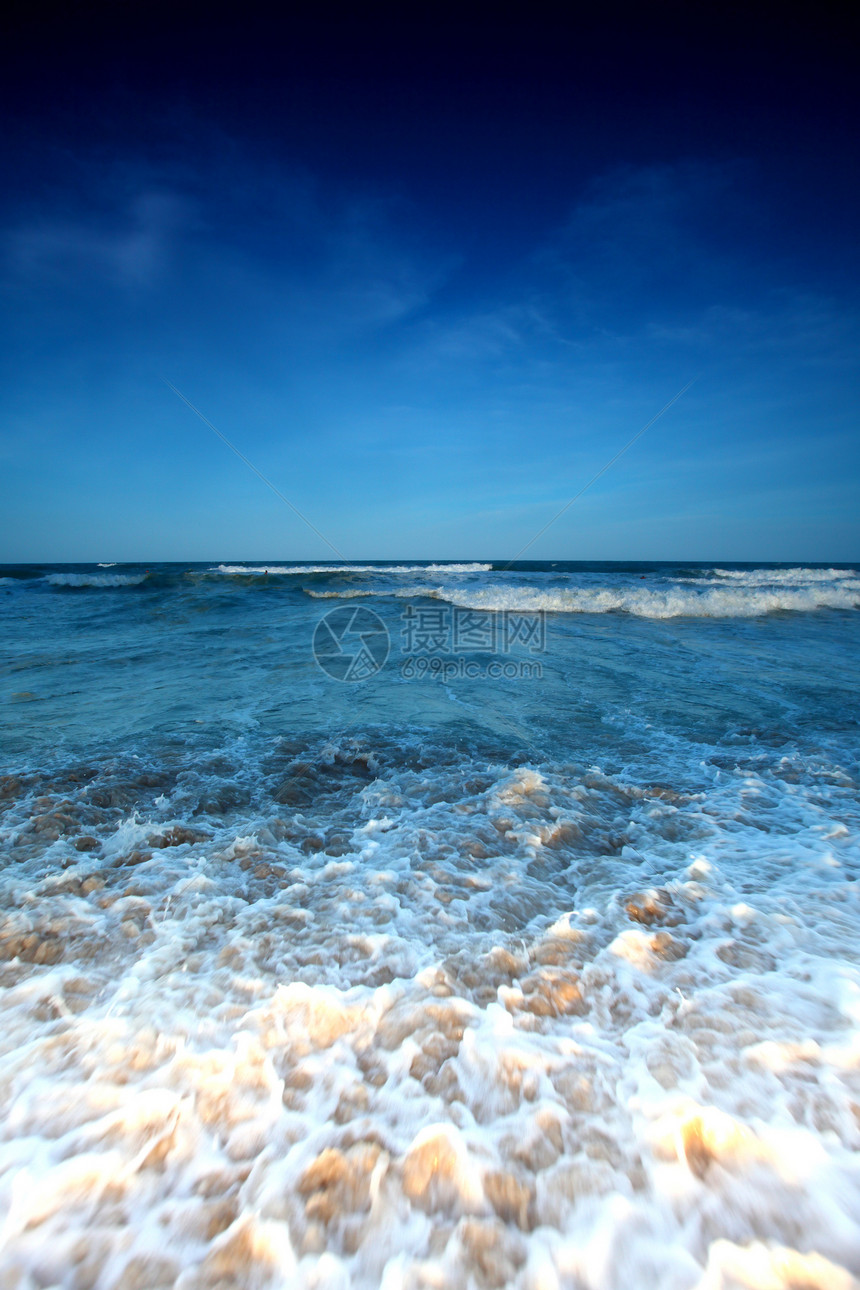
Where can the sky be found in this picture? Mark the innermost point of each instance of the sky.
(429, 270)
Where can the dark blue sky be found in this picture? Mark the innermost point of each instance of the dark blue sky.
(429, 273)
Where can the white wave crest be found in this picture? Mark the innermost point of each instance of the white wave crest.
(397, 593)
(715, 602)
(95, 579)
(108, 564)
(350, 568)
(643, 602)
(786, 577)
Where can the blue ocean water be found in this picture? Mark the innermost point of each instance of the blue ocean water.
(127, 653)
(402, 912)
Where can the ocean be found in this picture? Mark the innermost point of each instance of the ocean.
(414, 925)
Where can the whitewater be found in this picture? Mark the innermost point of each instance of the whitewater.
(543, 978)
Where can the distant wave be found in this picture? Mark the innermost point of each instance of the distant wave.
(351, 568)
(777, 577)
(108, 564)
(95, 579)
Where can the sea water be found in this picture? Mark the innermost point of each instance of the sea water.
(525, 955)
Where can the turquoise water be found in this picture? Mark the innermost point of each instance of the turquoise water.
(173, 648)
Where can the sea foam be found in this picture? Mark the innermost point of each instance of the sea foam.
(432, 1020)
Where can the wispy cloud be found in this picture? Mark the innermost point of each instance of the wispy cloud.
(272, 244)
(129, 247)
(810, 327)
(649, 259)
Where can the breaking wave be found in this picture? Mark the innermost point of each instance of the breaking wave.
(729, 602)
(95, 579)
(779, 577)
(674, 599)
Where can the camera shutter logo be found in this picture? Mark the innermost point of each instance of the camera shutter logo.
(351, 643)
